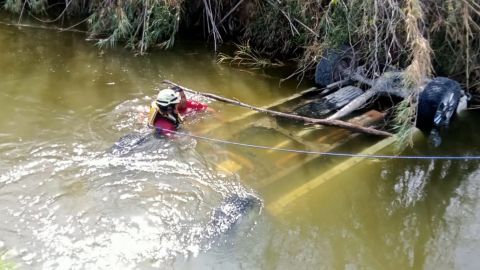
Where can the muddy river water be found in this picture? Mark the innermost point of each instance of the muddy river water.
(68, 202)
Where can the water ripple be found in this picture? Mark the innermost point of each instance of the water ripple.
(86, 209)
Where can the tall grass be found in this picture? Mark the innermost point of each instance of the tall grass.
(384, 33)
(138, 23)
(416, 73)
(247, 57)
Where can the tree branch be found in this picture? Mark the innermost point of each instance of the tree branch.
(325, 122)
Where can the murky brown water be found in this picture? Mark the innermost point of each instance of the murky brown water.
(67, 202)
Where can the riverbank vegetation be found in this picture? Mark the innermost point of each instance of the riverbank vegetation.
(423, 37)
(6, 265)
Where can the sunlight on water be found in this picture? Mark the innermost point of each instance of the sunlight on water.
(99, 209)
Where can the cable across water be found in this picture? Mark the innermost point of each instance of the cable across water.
(332, 154)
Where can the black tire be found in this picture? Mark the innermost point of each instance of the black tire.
(329, 68)
(430, 101)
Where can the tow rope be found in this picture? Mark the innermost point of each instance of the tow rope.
(330, 154)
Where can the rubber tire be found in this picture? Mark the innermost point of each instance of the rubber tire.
(327, 71)
(430, 99)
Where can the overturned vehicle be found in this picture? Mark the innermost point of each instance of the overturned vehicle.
(348, 89)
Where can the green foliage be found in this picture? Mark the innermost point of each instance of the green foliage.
(140, 24)
(275, 29)
(17, 6)
(404, 123)
(384, 33)
(6, 265)
(14, 6)
(338, 31)
(247, 57)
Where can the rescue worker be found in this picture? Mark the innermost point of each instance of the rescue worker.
(167, 111)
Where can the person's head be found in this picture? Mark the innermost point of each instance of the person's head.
(177, 89)
(167, 99)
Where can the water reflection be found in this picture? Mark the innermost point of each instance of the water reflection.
(398, 215)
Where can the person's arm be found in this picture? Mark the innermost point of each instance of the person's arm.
(182, 105)
(210, 110)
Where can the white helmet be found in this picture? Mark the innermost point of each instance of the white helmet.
(167, 97)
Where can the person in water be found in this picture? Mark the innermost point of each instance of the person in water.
(167, 111)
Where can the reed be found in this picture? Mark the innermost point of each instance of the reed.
(384, 33)
(416, 73)
(245, 56)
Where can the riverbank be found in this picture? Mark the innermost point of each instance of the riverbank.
(420, 36)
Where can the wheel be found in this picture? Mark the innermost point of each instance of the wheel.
(332, 63)
(438, 103)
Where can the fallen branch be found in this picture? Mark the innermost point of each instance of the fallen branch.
(389, 84)
(353, 105)
(325, 122)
